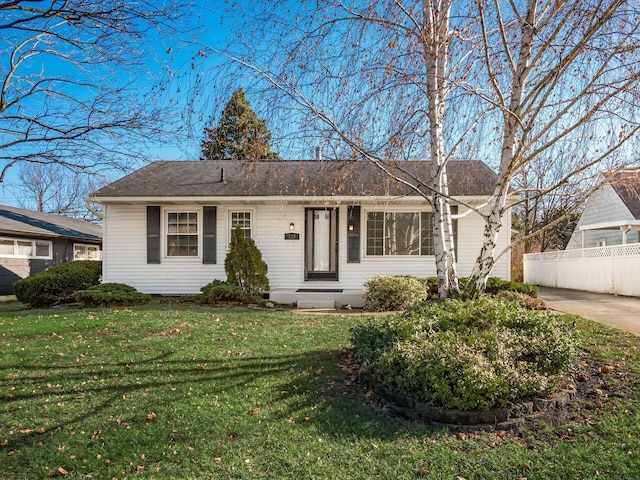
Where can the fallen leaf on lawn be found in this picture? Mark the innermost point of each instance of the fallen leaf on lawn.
(11, 453)
(139, 468)
(606, 369)
(307, 419)
(462, 436)
(255, 411)
(41, 431)
(319, 371)
(217, 459)
(59, 472)
(151, 416)
(4, 443)
(95, 434)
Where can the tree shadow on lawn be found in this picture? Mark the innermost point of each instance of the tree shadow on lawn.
(313, 381)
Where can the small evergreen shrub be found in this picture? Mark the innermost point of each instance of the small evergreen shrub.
(244, 265)
(56, 285)
(527, 301)
(496, 285)
(467, 355)
(222, 292)
(109, 295)
(383, 293)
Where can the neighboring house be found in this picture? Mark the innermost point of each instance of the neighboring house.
(603, 254)
(611, 215)
(32, 241)
(323, 227)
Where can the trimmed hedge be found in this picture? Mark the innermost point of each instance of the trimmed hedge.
(56, 285)
(110, 294)
(383, 293)
(466, 355)
(222, 292)
(494, 286)
(389, 293)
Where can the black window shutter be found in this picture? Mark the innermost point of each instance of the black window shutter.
(353, 234)
(153, 234)
(209, 234)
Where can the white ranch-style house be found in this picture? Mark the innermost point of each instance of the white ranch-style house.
(323, 227)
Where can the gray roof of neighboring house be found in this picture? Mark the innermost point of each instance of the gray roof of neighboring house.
(18, 221)
(627, 186)
(229, 178)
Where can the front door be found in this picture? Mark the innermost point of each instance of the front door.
(321, 248)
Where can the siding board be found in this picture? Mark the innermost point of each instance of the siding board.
(125, 255)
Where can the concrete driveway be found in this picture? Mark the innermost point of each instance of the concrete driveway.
(617, 311)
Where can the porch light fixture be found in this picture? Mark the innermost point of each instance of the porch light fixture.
(351, 227)
(292, 227)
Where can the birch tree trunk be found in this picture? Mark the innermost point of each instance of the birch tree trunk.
(435, 44)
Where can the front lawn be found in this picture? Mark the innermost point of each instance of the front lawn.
(200, 393)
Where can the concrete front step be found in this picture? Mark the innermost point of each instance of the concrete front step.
(329, 298)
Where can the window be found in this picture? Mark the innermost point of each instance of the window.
(86, 252)
(23, 248)
(243, 221)
(182, 234)
(400, 233)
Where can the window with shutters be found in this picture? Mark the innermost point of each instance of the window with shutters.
(182, 235)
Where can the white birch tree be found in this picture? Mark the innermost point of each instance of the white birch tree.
(508, 82)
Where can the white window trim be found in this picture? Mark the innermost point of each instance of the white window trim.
(230, 212)
(32, 240)
(87, 245)
(164, 231)
(390, 209)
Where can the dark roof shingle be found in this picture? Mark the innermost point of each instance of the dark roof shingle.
(627, 186)
(19, 221)
(228, 178)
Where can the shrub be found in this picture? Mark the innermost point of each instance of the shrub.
(244, 265)
(496, 285)
(467, 355)
(384, 293)
(219, 291)
(110, 294)
(527, 301)
(56, 285)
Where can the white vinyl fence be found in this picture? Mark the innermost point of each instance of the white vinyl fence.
(614, 269)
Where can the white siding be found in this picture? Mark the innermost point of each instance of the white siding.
(603, 206)
(125, 251)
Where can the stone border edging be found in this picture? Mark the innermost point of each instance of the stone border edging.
(496, 418)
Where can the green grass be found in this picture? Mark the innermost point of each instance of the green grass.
(200, 393)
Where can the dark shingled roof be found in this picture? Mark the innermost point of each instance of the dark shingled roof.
(288, 178)
(627, 186)
(18, 221)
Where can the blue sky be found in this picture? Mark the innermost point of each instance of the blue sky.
(163, 55)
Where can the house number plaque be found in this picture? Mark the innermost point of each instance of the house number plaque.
(292, 236)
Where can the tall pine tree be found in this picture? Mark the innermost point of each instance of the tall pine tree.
(239, 135)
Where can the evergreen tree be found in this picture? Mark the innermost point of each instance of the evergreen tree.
(239, 135)
(244, 265)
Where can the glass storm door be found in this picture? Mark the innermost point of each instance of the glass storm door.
(321, 249)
